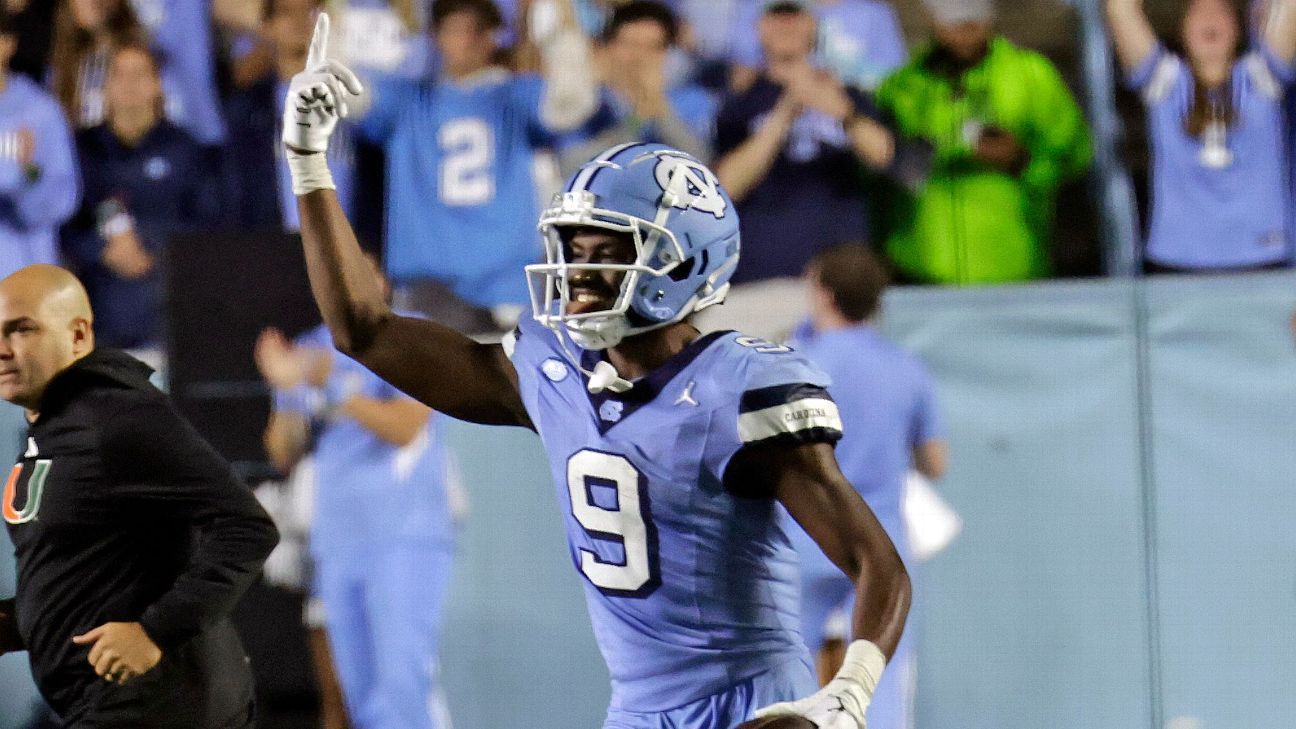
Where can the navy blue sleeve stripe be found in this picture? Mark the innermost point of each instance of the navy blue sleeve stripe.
(768, 397)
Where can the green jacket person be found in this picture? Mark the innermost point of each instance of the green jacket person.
(1006, 132)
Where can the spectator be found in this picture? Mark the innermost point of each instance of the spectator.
(1220, 194)
(1007, 134)
(84, 32)
(38, 178)
(789, 149)
(892, 426)
(637, 105)
(382, 536)
(255, 153)
(859, 41)
(145, 179)
(180, 32)
(462, 207)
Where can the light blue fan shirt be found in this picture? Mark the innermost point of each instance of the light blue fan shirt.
(462, 201)
(1230, 217)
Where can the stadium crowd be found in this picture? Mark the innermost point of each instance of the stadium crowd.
(123, 122)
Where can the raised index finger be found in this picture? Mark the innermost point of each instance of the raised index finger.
(319, 43)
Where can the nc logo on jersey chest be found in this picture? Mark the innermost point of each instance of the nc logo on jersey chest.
(35, 488)
(611, 410)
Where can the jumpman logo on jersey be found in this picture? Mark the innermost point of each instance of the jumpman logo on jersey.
(686, 397)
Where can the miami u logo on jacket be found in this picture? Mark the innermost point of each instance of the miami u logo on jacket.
(35, 485)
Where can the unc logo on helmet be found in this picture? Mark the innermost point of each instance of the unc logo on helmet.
(685, 234)
(688, 184)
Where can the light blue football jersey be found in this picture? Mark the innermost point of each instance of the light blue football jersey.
(691, 590)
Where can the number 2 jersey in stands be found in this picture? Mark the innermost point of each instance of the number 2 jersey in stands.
(691, 589)
(462, 205)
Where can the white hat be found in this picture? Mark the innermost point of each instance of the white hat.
(953, 12)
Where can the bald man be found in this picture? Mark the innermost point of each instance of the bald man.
(133, 539)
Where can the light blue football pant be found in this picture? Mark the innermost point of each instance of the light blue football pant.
(789, 681)
(822, 595)
(383, 613)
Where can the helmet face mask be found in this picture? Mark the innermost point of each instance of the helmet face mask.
(684, 236)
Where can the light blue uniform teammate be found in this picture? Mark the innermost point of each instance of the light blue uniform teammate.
(668, 447)
(381, 541)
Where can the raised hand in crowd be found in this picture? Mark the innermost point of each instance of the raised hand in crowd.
(124, 254)
(816, 88)
(25, 147)
(285, 366)
(647, 88)
(819, 89)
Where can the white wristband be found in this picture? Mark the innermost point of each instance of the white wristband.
(864, 664)
(309, 172)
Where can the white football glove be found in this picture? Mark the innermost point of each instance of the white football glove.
(842, 703)
(317, 97)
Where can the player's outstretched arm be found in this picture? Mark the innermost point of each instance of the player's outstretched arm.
(432, 363)
(809, 483)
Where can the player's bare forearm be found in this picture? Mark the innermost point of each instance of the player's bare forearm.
(818, 496)
(434, 364)
(349, 297)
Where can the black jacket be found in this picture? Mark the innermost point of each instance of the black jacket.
(120, 512)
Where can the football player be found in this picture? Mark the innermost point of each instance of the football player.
(669, 448)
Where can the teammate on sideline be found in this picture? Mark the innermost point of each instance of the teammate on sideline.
(134, 540)
(669, 447)
(888, 404)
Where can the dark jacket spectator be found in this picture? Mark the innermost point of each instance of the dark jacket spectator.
(144, 180)
(791, 150)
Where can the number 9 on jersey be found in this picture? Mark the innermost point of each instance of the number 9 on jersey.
(625, 519)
